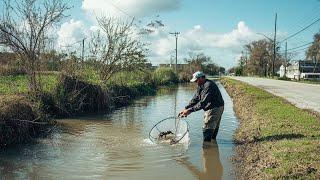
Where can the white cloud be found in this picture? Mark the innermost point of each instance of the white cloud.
(225, 48)
(95, 28)
(222, 46)
(137, 8)
(237, 37)
(72, 32)
(163, 47)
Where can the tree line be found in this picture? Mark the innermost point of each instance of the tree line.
(257, 58)
(202, 62)
(24, 31)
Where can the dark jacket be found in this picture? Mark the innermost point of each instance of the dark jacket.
(208, 96)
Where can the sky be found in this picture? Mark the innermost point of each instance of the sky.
(217, 28)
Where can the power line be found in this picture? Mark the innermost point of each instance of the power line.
(124, 12)
(300, 30)
(77, 42)
(298, 50)
(304, 20)
(299, 46)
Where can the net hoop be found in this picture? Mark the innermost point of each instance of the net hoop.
(155, 127)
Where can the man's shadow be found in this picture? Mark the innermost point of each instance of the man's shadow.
(212, 167)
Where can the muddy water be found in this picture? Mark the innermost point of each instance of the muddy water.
(116, 146)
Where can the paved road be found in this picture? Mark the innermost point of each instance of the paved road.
(305, 96)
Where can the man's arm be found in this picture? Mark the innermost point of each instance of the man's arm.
(207, 96)
(195, 99)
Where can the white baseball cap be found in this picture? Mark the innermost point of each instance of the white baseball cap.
(197, 75)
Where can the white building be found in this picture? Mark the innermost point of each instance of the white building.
(301, 70)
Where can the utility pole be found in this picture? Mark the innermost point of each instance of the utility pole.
(82, 55)
(274, 45)
(176, 35)
(285, 62)
(171, 60)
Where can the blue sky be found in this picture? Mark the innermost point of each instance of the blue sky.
(218, 28)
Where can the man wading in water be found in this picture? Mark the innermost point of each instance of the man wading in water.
(208, 98)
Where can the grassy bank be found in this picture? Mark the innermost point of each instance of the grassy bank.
(22, 114)
(274, 139)
(18, 84)
(20, 120)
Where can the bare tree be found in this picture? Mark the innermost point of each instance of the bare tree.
(260, 57)
(313, 51)
(197, 61)
(97, 46)
(122, 49)
(23, 28)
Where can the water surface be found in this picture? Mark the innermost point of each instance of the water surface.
(116, 145)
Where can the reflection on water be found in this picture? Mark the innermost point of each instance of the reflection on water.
(212, 167)
(115, 146)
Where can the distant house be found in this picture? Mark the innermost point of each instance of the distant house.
(301, 70)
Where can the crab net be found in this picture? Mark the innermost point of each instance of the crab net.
(170, 130)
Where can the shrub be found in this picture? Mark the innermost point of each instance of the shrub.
(16, 120)
(75, 96)
(6, 70)
(184, 76)
(165, 76)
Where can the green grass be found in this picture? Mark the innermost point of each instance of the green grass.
(124, 78)
(286, 135)
(165, 76)
(13, 84)
(136, 80)
(135, 83)
(90, 75)
(131, 78)
(19, 84)
(280, 117)
(161, 76)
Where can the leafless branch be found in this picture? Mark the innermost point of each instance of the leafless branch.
(120, 49)
(23, 27)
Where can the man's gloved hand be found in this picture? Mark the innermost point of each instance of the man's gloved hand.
(184, 113)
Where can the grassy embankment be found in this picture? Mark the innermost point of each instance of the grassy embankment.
(22, 115)
(274, 139)
(19, 84)
(21, 118)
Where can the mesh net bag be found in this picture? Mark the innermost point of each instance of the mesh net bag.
(170, 130)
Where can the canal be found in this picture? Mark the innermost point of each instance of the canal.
(116, 145)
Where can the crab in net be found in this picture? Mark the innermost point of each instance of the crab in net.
(169, 130)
